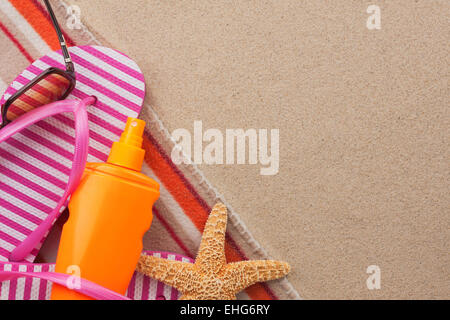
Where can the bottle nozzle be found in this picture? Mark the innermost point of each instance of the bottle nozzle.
(128, 152)
(132, 135)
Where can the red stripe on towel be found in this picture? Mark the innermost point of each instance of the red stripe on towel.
(16, 42)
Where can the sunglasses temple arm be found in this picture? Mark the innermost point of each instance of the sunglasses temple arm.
(79, 162)
(67, 59)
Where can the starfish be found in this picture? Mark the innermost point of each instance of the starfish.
(210, 277)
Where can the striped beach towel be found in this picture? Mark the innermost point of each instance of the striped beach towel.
(186, 196)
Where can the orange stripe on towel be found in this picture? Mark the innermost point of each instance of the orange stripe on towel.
(38, 21)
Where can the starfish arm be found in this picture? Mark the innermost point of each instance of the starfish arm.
(173, 273)
(211, 255)
(247, 273)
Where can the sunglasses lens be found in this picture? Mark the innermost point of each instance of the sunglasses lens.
(47, 90)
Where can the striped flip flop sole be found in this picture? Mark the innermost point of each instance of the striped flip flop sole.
(35, 163)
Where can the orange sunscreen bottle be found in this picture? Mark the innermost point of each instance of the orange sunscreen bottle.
(108, 215)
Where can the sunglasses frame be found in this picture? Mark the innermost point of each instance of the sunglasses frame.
(69, 73)
(24, 89)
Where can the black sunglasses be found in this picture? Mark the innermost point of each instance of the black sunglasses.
(51, 85)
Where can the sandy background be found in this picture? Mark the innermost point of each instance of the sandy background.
(363, 118)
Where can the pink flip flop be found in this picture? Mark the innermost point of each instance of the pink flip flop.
(35, 163)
